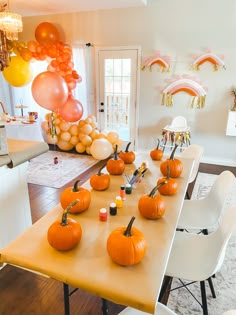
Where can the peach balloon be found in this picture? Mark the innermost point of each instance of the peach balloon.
(64, 145)
(80, 148)
(72, 110)
(49, 90)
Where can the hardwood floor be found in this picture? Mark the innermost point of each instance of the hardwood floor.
(25, 293)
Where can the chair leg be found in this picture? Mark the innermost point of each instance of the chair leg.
(211, 287)
(204, 298)
(187, 196)
(165, 290)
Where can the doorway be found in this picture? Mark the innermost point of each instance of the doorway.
(117, 89)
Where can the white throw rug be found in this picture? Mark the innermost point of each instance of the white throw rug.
(224, 283)
(43, 171)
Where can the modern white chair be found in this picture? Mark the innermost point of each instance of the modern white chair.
(204, 214)
(177, 132)
(160, 310)
(197, 257)
(195, 152)
(230, 312)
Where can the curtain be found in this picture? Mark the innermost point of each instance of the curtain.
(15, 96)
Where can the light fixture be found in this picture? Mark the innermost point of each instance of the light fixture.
(10, 26)
(10, 23)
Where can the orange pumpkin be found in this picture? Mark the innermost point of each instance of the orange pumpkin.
(66, 233)
(152, 206)
(171, 186)
(100, 181)
(156, 154)
(115, 165)
(76, 192)
(126, 245)
(127, 156)
(176, 166)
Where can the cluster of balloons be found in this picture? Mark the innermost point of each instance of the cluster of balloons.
(82, 136)
(51, 89)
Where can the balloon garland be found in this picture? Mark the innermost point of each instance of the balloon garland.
(52, 89)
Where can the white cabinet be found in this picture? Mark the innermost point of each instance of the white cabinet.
(231, 124)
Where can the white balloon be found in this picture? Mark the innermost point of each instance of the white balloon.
(101, 149)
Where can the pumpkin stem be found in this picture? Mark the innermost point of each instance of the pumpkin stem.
(115, 153)
(100, 170)
(168, 171)
(127, 147)
(127, 232)
(154, 190)
(173, 152)
(158, 143)
(67, 210)
(75, 188)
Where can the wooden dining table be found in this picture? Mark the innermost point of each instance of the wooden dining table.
(88, 266)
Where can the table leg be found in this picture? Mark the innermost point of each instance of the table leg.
(66, 299)
(104, 307)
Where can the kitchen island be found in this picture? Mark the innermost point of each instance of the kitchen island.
(15, 214)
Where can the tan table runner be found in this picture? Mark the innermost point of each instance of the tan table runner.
(24, 150)
(88, 266)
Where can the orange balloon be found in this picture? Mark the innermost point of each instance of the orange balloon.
(49, 90)
(32, 45)
(46, 33)
(72, 110)
(26, 54)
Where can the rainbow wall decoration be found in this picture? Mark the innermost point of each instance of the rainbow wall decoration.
(162, 61)
(186, 84)
(216, 61)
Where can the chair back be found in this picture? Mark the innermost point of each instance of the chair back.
(195, 152)
(161, 309)
(179, 122)
(219, 191)
(219, 239)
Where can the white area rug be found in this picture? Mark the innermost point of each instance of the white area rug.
(224, 283)
(43, 171)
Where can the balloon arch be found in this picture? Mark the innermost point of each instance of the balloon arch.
(53, 90)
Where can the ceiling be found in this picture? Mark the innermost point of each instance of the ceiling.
(48, 7)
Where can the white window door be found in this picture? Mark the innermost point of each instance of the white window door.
(117, 86)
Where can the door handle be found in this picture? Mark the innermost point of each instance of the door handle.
(101, 110)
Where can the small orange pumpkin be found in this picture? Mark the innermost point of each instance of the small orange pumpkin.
(171, 186)
(66, 233)
(127, 156)
(152, 206)
(126, 245)
(115, 165)
(176, 165)
(156, 154)
(100, 181)
(76, 192)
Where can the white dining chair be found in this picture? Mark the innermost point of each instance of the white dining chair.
(161, 309)
(230, 312)
(204, 214)
(195, 152)
(197, 257)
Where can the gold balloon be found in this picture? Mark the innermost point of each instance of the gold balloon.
(18, 73)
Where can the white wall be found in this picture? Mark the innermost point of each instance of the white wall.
(179, 29)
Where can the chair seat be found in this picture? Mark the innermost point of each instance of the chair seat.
(186, 259)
